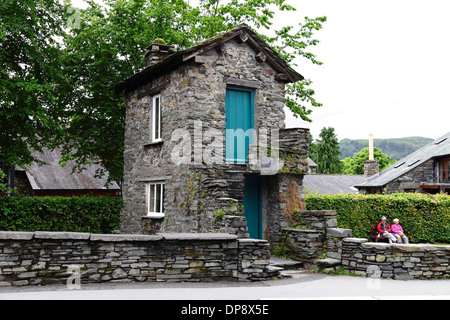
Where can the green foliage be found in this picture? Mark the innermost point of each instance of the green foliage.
(356, 165)
(110, 46)
(69, 214)
(426, 217)
(325, 153)
(30, 76)
(56, 80)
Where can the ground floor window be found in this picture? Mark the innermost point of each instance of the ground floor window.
(155, 199)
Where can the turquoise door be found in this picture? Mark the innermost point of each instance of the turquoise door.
(253, 206)
(239, 133)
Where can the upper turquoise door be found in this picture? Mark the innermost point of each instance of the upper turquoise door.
(239, 134)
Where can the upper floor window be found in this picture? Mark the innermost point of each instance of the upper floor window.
(156, 119)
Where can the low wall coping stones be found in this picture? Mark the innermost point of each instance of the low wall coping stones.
(339, 232)
(406, 247)
(61, 235)
(16, 235)
(124, 237)
(421, 247)
(376, 245)
(198, 236)
(355, 240)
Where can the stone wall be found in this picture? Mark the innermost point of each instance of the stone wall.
(313, 236)
(40, 258)
(305, 245)
(319, 244)
(399, 261)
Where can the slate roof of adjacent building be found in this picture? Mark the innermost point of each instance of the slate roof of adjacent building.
(54, 177)
(438, 148)
(331, 183)
(183, 56)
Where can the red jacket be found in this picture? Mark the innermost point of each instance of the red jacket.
(383, 228)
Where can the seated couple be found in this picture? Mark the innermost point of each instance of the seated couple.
(394, 233)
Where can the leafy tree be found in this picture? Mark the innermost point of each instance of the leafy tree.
(30, 76)
(110, 44)
(328, 152)
(347, 167)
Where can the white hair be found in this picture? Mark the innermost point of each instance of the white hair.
(395, 220)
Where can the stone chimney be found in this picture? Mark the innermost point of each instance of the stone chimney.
(157, 52)
(371, 166)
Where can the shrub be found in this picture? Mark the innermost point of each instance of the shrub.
(70, 214)
(426, 217)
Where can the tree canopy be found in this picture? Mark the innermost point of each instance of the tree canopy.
(325, 152)
(356, 165)
(56, 82)
(31, 76)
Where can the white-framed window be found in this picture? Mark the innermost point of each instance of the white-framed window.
(156, 119)
(155, 199)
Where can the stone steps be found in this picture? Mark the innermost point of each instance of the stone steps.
(285, 264)
(285, 268)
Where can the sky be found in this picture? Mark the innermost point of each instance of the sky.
(386, 67)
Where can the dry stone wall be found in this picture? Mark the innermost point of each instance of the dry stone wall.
(40, 258)
(318, 243)
(399, 261)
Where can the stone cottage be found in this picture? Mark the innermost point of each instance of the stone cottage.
(423, 171)
(206, 149)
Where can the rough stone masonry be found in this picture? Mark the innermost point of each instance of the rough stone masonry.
(40, 258)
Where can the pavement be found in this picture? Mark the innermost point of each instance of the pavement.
(302, 285)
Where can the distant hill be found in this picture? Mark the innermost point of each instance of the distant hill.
(397, 148)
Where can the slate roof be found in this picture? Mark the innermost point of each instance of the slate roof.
(331, 183)
(184, 56)
(438, 148)
(55, 177)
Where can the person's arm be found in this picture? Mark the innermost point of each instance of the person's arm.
(379, 228)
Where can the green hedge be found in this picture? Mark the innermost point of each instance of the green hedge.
(70, 214)
(426, 217)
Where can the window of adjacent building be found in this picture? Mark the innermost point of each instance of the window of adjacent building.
(155, 199)
(156, 119)
(444, 165)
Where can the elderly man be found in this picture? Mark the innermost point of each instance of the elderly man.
(398, 232)
(384, 230)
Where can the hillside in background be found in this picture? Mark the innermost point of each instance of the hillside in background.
(397, 148)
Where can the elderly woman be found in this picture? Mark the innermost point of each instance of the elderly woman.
(398, 232)
(385, 230)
